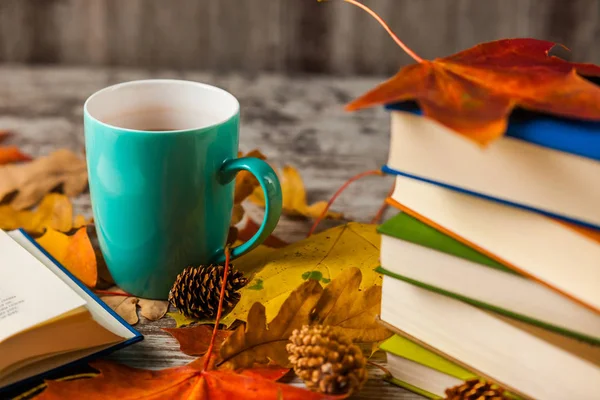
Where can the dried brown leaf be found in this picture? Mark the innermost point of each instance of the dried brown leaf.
(351, 311)
(259, 342)
(153, 309)
(32, 180)
(126, 306)
(294, 197)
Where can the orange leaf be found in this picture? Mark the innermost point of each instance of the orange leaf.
(251, 227)
(245, 182)
(117, 381)
(194, 341)
(10, 154)
(294, 197)
(474, 91)
(55, 211)
(74, 252)
(272, 373)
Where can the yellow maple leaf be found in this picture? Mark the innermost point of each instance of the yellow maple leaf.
(294, 197)
(55, 211)
(74, 252)
(274, 273)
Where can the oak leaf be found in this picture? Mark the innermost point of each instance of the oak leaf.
(32, 180)
(341, 305)
(74, 252)
(55, 211)
(116, 381)
(474, 91)
(349, 310)
(274, 273)
(259, 342)
(126, 306)
(294, 197)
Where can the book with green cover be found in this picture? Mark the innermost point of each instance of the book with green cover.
(422, 371)
(410, 350)
(421, 255)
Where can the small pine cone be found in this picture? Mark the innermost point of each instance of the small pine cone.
(475, 389)
(326, 361)
(196, 291)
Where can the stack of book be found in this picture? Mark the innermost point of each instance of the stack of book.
(492, 264)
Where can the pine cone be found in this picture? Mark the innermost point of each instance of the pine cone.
(196, 291)
(326, 361)
(475, 389)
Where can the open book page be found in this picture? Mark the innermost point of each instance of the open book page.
(99, 313)
(30, 294)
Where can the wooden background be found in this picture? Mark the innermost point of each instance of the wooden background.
(287, 36)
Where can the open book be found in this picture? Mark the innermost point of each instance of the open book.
(48, 319)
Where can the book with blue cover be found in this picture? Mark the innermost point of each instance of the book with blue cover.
(543, 164)
(49, 320)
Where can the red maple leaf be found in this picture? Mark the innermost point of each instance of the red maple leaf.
(191, 381)
(474, 91)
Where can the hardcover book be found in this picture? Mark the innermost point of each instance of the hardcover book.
(526, 360)
(420, 370)
(48, 319)
(552, 253)
(545, 165)
(420, 254)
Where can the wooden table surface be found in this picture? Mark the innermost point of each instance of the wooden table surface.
(293, 120)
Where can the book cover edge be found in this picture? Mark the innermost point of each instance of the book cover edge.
(390, 171)
(526, 130)
(514, 392)
(385, 230)
(426, 220)
(480, 304)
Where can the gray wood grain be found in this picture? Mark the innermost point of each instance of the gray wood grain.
(280, 35)
(298, 121)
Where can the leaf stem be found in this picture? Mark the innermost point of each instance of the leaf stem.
(387, 28)
(336, 195)
(377, 218)
(219, 310)
(381, 367)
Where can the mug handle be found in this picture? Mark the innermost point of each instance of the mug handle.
(273, 200)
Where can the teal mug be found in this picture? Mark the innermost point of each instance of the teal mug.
(162, 156)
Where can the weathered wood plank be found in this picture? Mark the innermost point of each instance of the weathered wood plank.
(280, 35)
